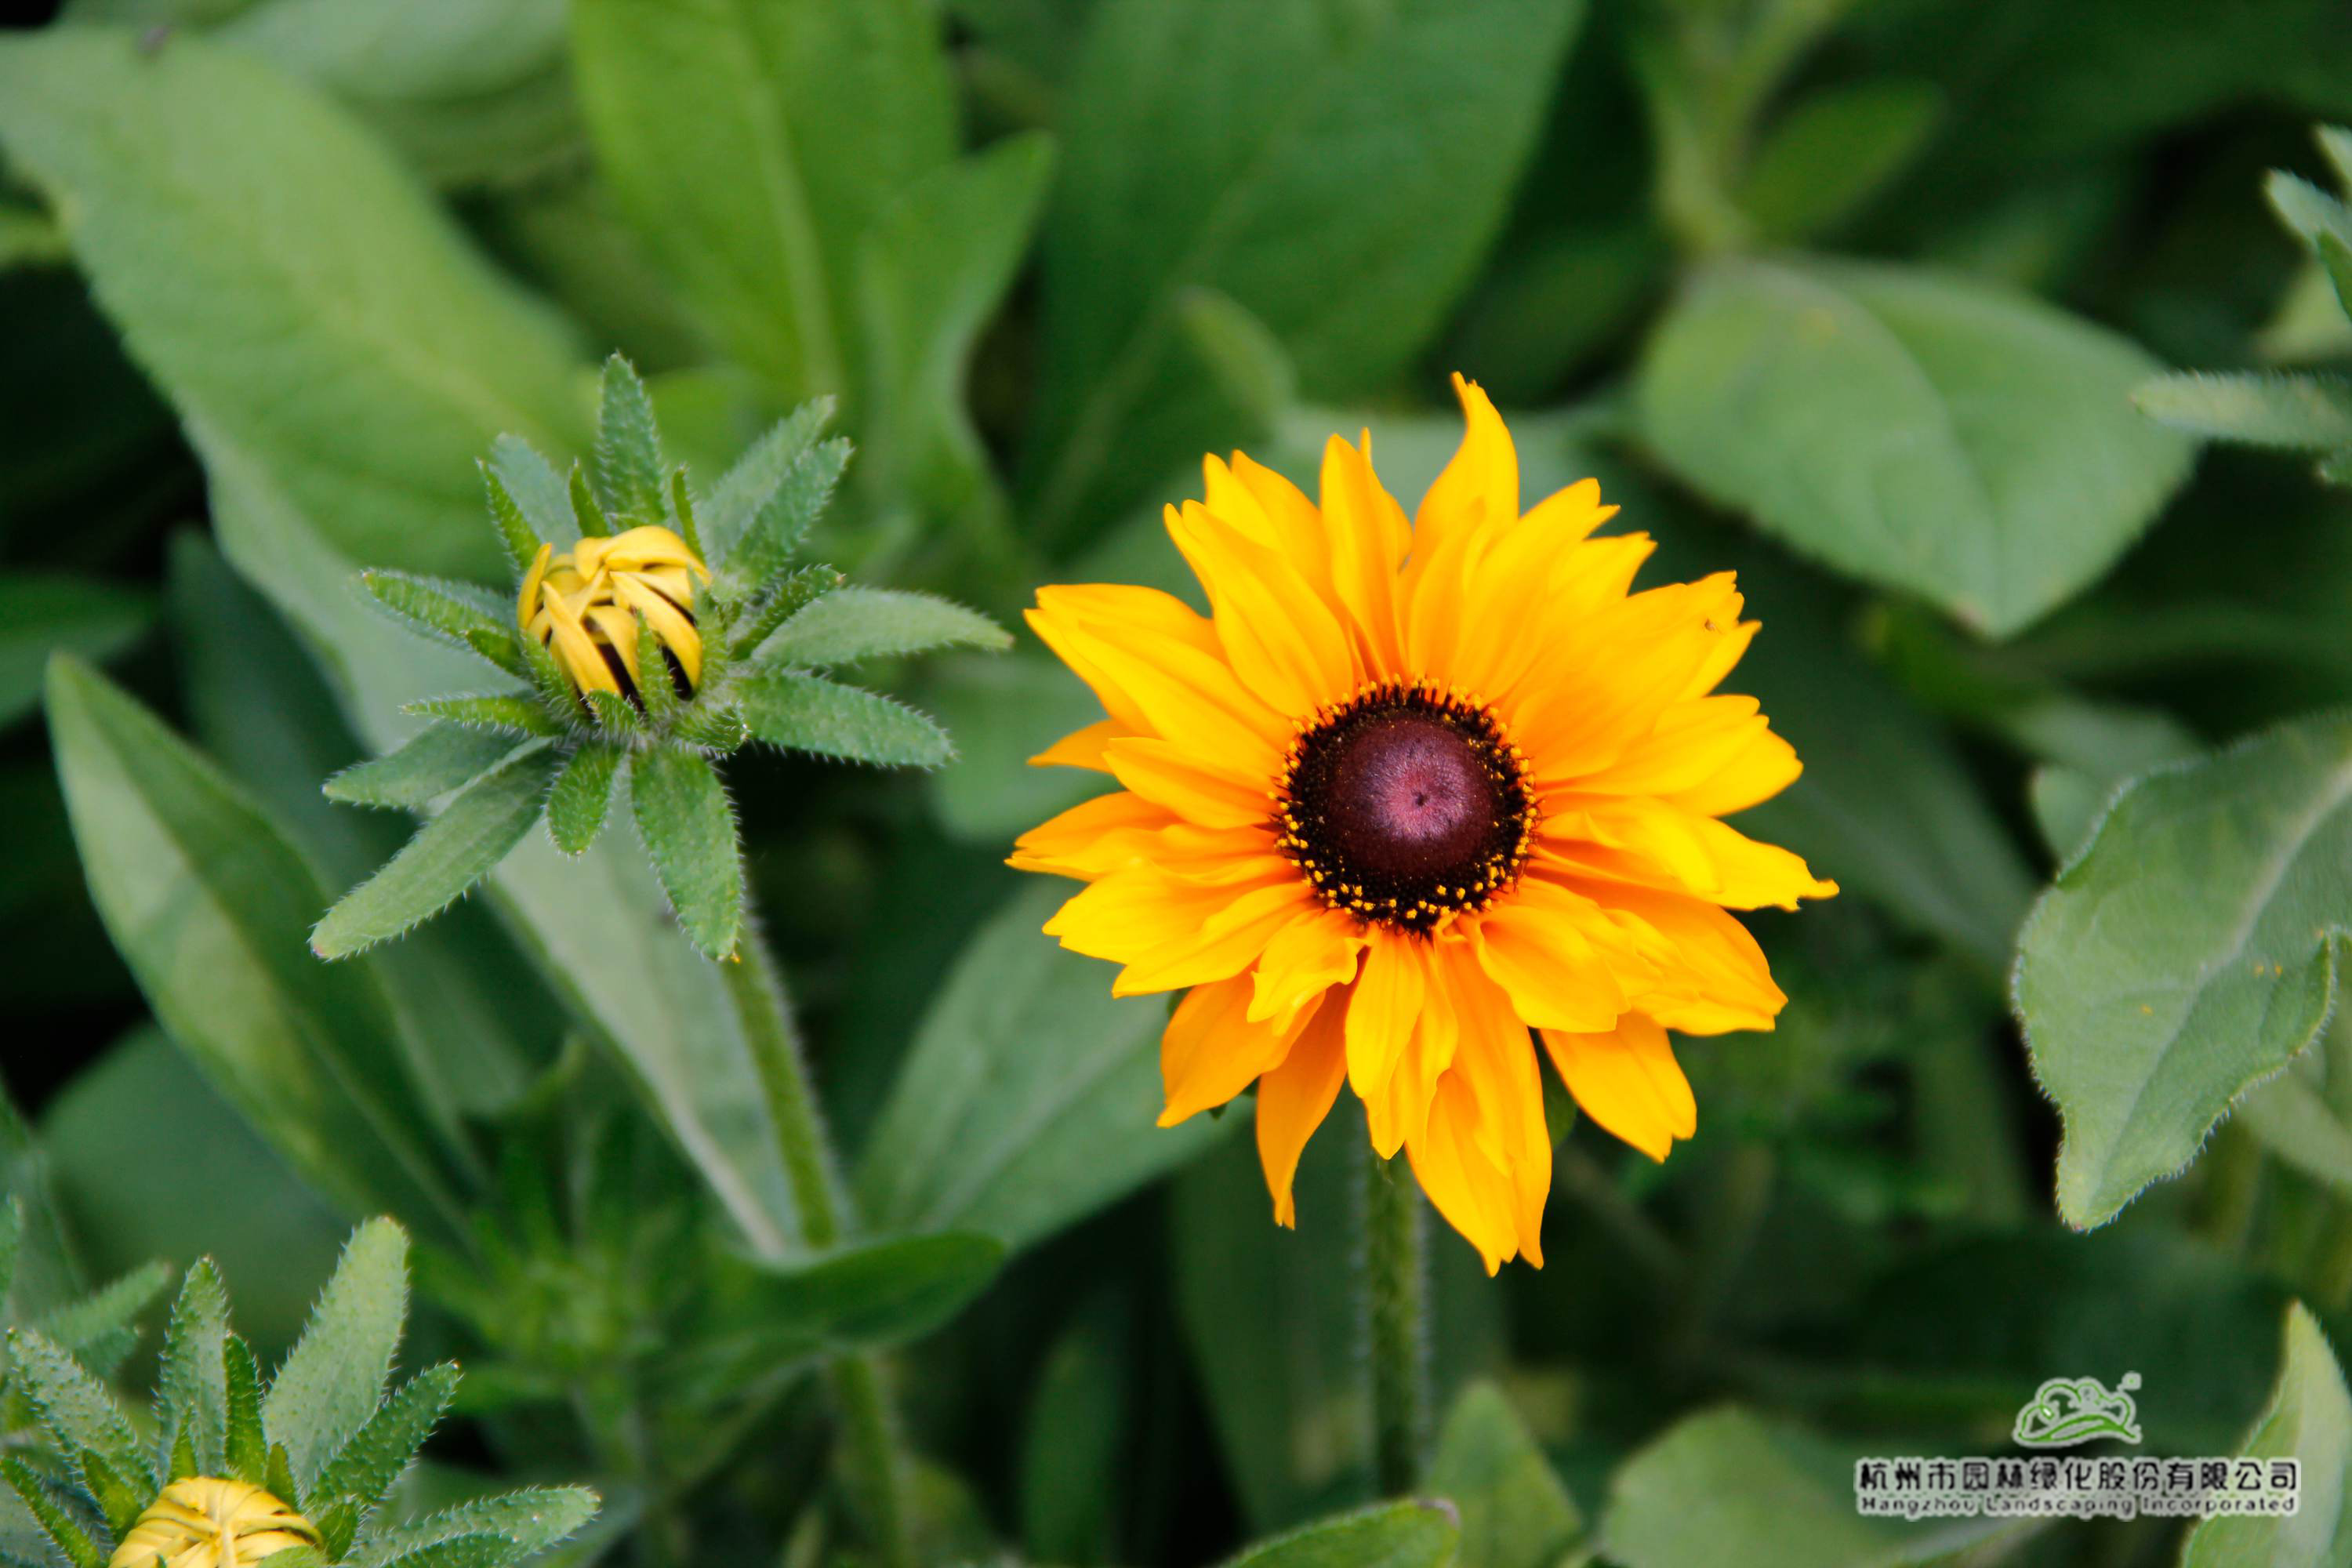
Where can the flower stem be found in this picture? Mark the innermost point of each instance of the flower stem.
(1396, 1301)
(873, 1471)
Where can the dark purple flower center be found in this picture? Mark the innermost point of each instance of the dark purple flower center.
(1404, 803)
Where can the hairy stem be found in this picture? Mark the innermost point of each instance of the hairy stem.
(873, 1472)
(1396, 1303)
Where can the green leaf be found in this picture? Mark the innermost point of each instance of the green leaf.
(808, 713)
(515, 530)
(1918, 432)
(333, 1380)
(501, 711)
(121, 1499)
(853, 623)
(2187, 954)
(248, 1440)
(2262, 408)
(933, 270)
(192, 1384)
(1515, 1511)
(795, 591)
(807, 118)
(582, 794)
(1392, 1535)
(538, 493)
(745, 487)
(1731, 1489)
(629, 468)
(587, 512)
(1832, 152)
(531, 1520)
(2310, 212)
(1028, 1097)
(1346, 222)
(689, 829)
(1075, 1440)
(437, 760)
(2310, 1421)
(450, 610)
(75, 1406)
(210, 907)
(106, 1316)
(2291, 1119)
(449, 854)
(288, 285)
(43, 615)
(784, 518)
(71, 1538)
(364, 1467)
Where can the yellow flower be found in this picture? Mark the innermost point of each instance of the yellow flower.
(205, 1523)
(1408, 793)
(585, 606)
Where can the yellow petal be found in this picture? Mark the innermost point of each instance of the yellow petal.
(1497, 1059)
(1306, 960)
(1692, 742)
(1710, 976)
(1294, 1098)
(1281, 637)
(1550, 950)
(1474, 1195)
(1762, 769)
(1380, 1013)
(1626, 1079)
(1211, 1050)
(526, 602)
(1164, 685)
(1093, 838)
(1192, 786)
(1479, 484)
(676, 631)
(575, 647)
(1368, 540)
(617, 629)
(1081, 748)
(1398, 1108)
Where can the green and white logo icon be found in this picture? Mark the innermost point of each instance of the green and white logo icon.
(2067, 1411)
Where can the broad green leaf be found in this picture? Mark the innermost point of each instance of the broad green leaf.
(807, 118)
(1732, 1488)
(449, 854)
(209, 905)
(2187, 954)
(854, 623)
(1393, 1535)
(630, 475)
(334, 1379)
(1834, 151)
(43, 615)
(531, 1520)
(437, 760)
(931, 271)
(2303, 413)
(808, 713)
(1028, 1098)
(1515, 1511)
(287, 285)
(582, 794)
(1285, 1387)
(1917, 431)
(2309, 1420)
(1346, 221)
(2293, 1119)
(75, 1406)
(689, 828)
(192, 1384)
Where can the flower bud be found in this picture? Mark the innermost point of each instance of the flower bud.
(205, 1523)
(586, 606)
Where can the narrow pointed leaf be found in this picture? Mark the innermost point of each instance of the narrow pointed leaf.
(496, 711)
(366, 1465)
(681, 511)
(855, 623)
(537, 491)
(2309, 1421)
(436, 760)
(248, 1446)
(582, 794)
(2300, 412)
(798, 589)
(531, 1520)
(75, 1405)
(106, 1312)
(615, 714)
(587, 515)
(515, 530)
(449, 611)
(629, 465)
(449, 854)
(74, 1542)
(191, 1405)
(653, 687)
(808, 713)
(785, 517)
(334, 1379)
(689, 830)
(744, 489)
(121, 1499)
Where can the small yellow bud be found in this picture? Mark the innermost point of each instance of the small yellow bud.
(205, 1523)
(586, 606)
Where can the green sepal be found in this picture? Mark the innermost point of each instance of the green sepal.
(793, 595)
(75, 1407)
(681, 511)
(614, 714)
(494, 711)
(809, 714)
(247, 1452)
(715, 727)
(537, 491)
(449, 612)
(653, 687)
(515, 531)
(555, 693)
(527, 1520)
(784, 519)
(628, 458)
(743, 489)
(428, 765)
(581, 796)
(183, 1463)
(585, 513)
(68, 1537)
(98, 1329)
(120, 1498)
(689, 827)
(192, 1389)
(448, 855)
(280, 1484)
(365, 1468)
